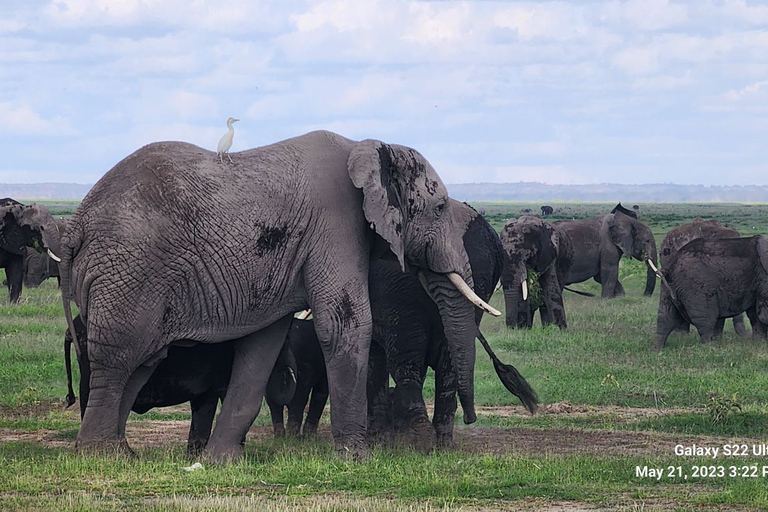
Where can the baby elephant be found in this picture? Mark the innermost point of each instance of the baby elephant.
(198, 374)
(710, 280)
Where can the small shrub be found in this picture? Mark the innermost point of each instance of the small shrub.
(722, 407)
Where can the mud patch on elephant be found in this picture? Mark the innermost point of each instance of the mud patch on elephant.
(271, 239)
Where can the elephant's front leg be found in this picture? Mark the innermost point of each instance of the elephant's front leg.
(203, 411)
(254, 359)
(408, 408)
(343, 325)
(379, 405)
(609, 274)
(446, 388)
(14, 275)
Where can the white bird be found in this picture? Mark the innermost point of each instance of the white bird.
(226, 140)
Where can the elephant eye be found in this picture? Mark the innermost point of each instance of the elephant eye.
(439, 209)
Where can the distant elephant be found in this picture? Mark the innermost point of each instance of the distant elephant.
(599, 243)
(546, 210)
(198, 374)
(636, 207)
(24, 227)
(170, 245)
(713, 279)
(680, 236)
(409, 336)
(532, 245)
(525, 211)
(311, 379)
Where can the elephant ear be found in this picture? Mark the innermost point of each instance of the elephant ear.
(762, 251)
(548, 250)
(621, 231)
(36, 221)
(11, 234)
(374, 168)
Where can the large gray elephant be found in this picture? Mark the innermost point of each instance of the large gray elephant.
(532, 245)
(171, 245)
(712, 279)
(409, 336)
(23, 228)
(599, 243)
(681, 235)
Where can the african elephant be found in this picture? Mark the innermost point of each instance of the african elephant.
(680, 236)
(170, 245)
(546, 210)
(599, 243)
(531, 244)
(38, 267)
(311, 379)
(23, 228)
(409, 335)
(198, 374)
(712, 279)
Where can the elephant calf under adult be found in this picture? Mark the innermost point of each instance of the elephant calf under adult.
(599, 243)
(681, 235)
(532, 245)
(710, 280)
(198, 374)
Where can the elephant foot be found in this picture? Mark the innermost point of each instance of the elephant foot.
(445, 441)
(223, 455)
(293, 429)
(278, 431)
(310, 430)
(419, 436)
(105, 447)
(353, 448)
(196, 447)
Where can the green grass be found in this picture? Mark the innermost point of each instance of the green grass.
(602, 367)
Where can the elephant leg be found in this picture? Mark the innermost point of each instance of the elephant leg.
(619, 289)
(759, 321)
(14, 273)
(276, 413)
(719, 327)
(706, 321)
(297, 405)
(379, 405)
(203, 412)
(342, 315)
(137, 380)
(443, 419)
(668, 319)
(255, 356)
(609, 275)
(410, 412)
(553, 310)
(316, 407)
(738, 325)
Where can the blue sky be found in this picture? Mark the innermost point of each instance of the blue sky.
(636, 91)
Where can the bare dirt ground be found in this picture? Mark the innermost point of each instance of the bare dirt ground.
(471, 439)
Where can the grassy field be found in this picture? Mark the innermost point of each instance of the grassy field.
(611, 405)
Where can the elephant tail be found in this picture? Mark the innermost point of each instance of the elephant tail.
(579, 292)
(511, 378)
(65, 273)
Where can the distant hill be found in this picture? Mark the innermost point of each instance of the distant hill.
(609, 192)
(44, 190)
(522, 191)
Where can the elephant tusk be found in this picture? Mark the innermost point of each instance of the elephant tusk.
(304, 314)
(653, 267)
(525, 289)
(498, 285)
(293, 375)
(53, 256)
(465, 290)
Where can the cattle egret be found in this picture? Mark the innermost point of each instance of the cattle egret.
(226, 140)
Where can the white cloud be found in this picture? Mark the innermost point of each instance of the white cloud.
(637, 60)
(646, 15)
(24, 120)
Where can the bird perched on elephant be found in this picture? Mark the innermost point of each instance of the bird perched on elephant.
(712, 279)
(599, 243)
(198, 374)
(169, 245)
(24, 228)
(410, 335)
(534, 246)
(681, 235)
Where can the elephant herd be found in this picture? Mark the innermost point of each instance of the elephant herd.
(187, 275)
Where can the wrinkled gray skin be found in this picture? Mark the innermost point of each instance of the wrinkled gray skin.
(23, 228)
(680, 236)
(171, 245)
(599, 243)
(715, 279)
(198, 374)
(409, 335)
(532, 244)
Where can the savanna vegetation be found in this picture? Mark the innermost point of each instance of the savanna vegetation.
(610, 405)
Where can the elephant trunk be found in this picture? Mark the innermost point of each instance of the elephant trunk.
(458, 318)
(650, 280)
(514, 280)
